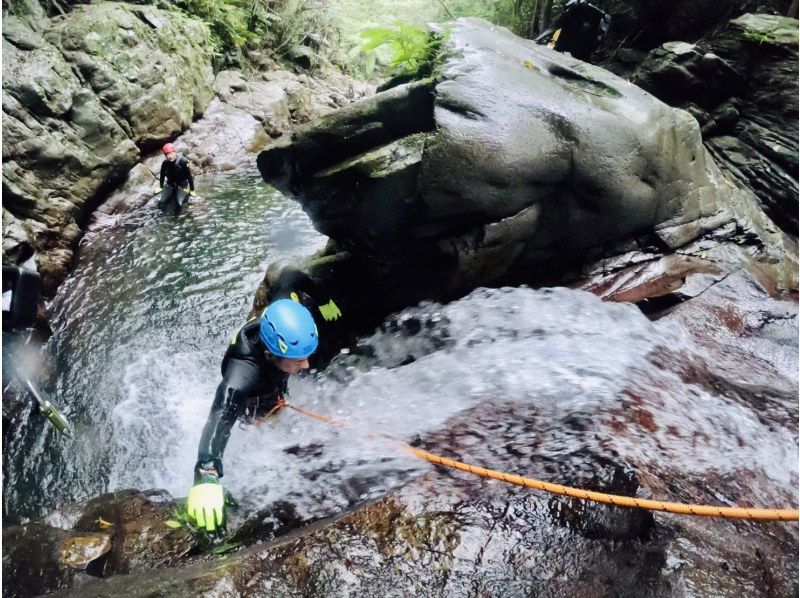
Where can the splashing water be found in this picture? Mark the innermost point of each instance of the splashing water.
(564, 353)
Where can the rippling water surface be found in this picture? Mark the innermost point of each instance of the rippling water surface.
(141, 326)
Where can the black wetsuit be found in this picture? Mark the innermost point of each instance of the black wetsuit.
(583, 28)
(251, 383)
(250, 387)
(178, 177)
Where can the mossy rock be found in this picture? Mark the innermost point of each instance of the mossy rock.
(768, 29)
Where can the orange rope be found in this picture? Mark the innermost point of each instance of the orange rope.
(279, 404)
(610, 499)
(613, 499)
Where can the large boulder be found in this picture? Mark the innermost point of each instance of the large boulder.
(79, 100)
(514, 164)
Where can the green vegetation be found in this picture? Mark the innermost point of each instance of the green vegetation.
(370, 46)
(294, 29)
(226, 18)
(365, 37)
(412, 49)
(759, 36)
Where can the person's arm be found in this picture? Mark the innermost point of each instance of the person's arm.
(189, 176)
(163, 174)
(309, 292)
(229, 404)
(544, 36)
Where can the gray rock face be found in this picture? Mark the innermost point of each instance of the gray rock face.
(515, 165)
(78, 103)
(741, 85)
(150, 69)
(241, 120)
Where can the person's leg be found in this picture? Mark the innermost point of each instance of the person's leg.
(166, 195)
(180, 198)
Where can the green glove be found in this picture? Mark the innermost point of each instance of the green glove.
(206, 503)
(157, 190)
(330, 311)
(188, 192)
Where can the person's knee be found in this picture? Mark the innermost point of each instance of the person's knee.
(166, 195)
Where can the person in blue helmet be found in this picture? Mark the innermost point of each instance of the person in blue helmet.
(255, 372)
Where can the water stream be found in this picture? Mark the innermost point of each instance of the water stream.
(141, 326)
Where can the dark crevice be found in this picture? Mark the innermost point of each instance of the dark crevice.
(451, 105)
(658, 307)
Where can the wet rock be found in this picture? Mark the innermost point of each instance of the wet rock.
(31, 560)
(743, 322)
(228, 82)
(657, 283)
(266, 102)
(678, 72)
(136, 192)
(435, 187)
(119, 532)
(20, 33)
(595, 521)
(154, 79)
(741, 84)
(454, 533)
(78, 552)
(267, 524)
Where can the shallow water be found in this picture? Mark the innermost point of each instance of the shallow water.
(141, 326)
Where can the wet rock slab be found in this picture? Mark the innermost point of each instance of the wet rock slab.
(454, 534)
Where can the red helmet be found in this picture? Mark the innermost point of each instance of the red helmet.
(168, 148)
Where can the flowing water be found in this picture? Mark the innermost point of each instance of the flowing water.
(141, 326)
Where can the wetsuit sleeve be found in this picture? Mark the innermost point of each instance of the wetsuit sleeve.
(189, 176)
(229, 404)
(163, 174)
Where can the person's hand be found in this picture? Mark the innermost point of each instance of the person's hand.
(330, 311)
(157, 190)
(189, 192)
(206, 503)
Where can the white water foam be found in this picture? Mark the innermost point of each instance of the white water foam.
(566, 352)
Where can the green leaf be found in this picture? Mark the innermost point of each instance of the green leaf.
(172, 523)
(377, 32)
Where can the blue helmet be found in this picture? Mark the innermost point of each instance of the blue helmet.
(288, 330)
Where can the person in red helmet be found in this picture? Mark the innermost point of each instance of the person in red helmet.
(179, 182)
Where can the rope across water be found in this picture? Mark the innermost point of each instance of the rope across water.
(600, 497)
